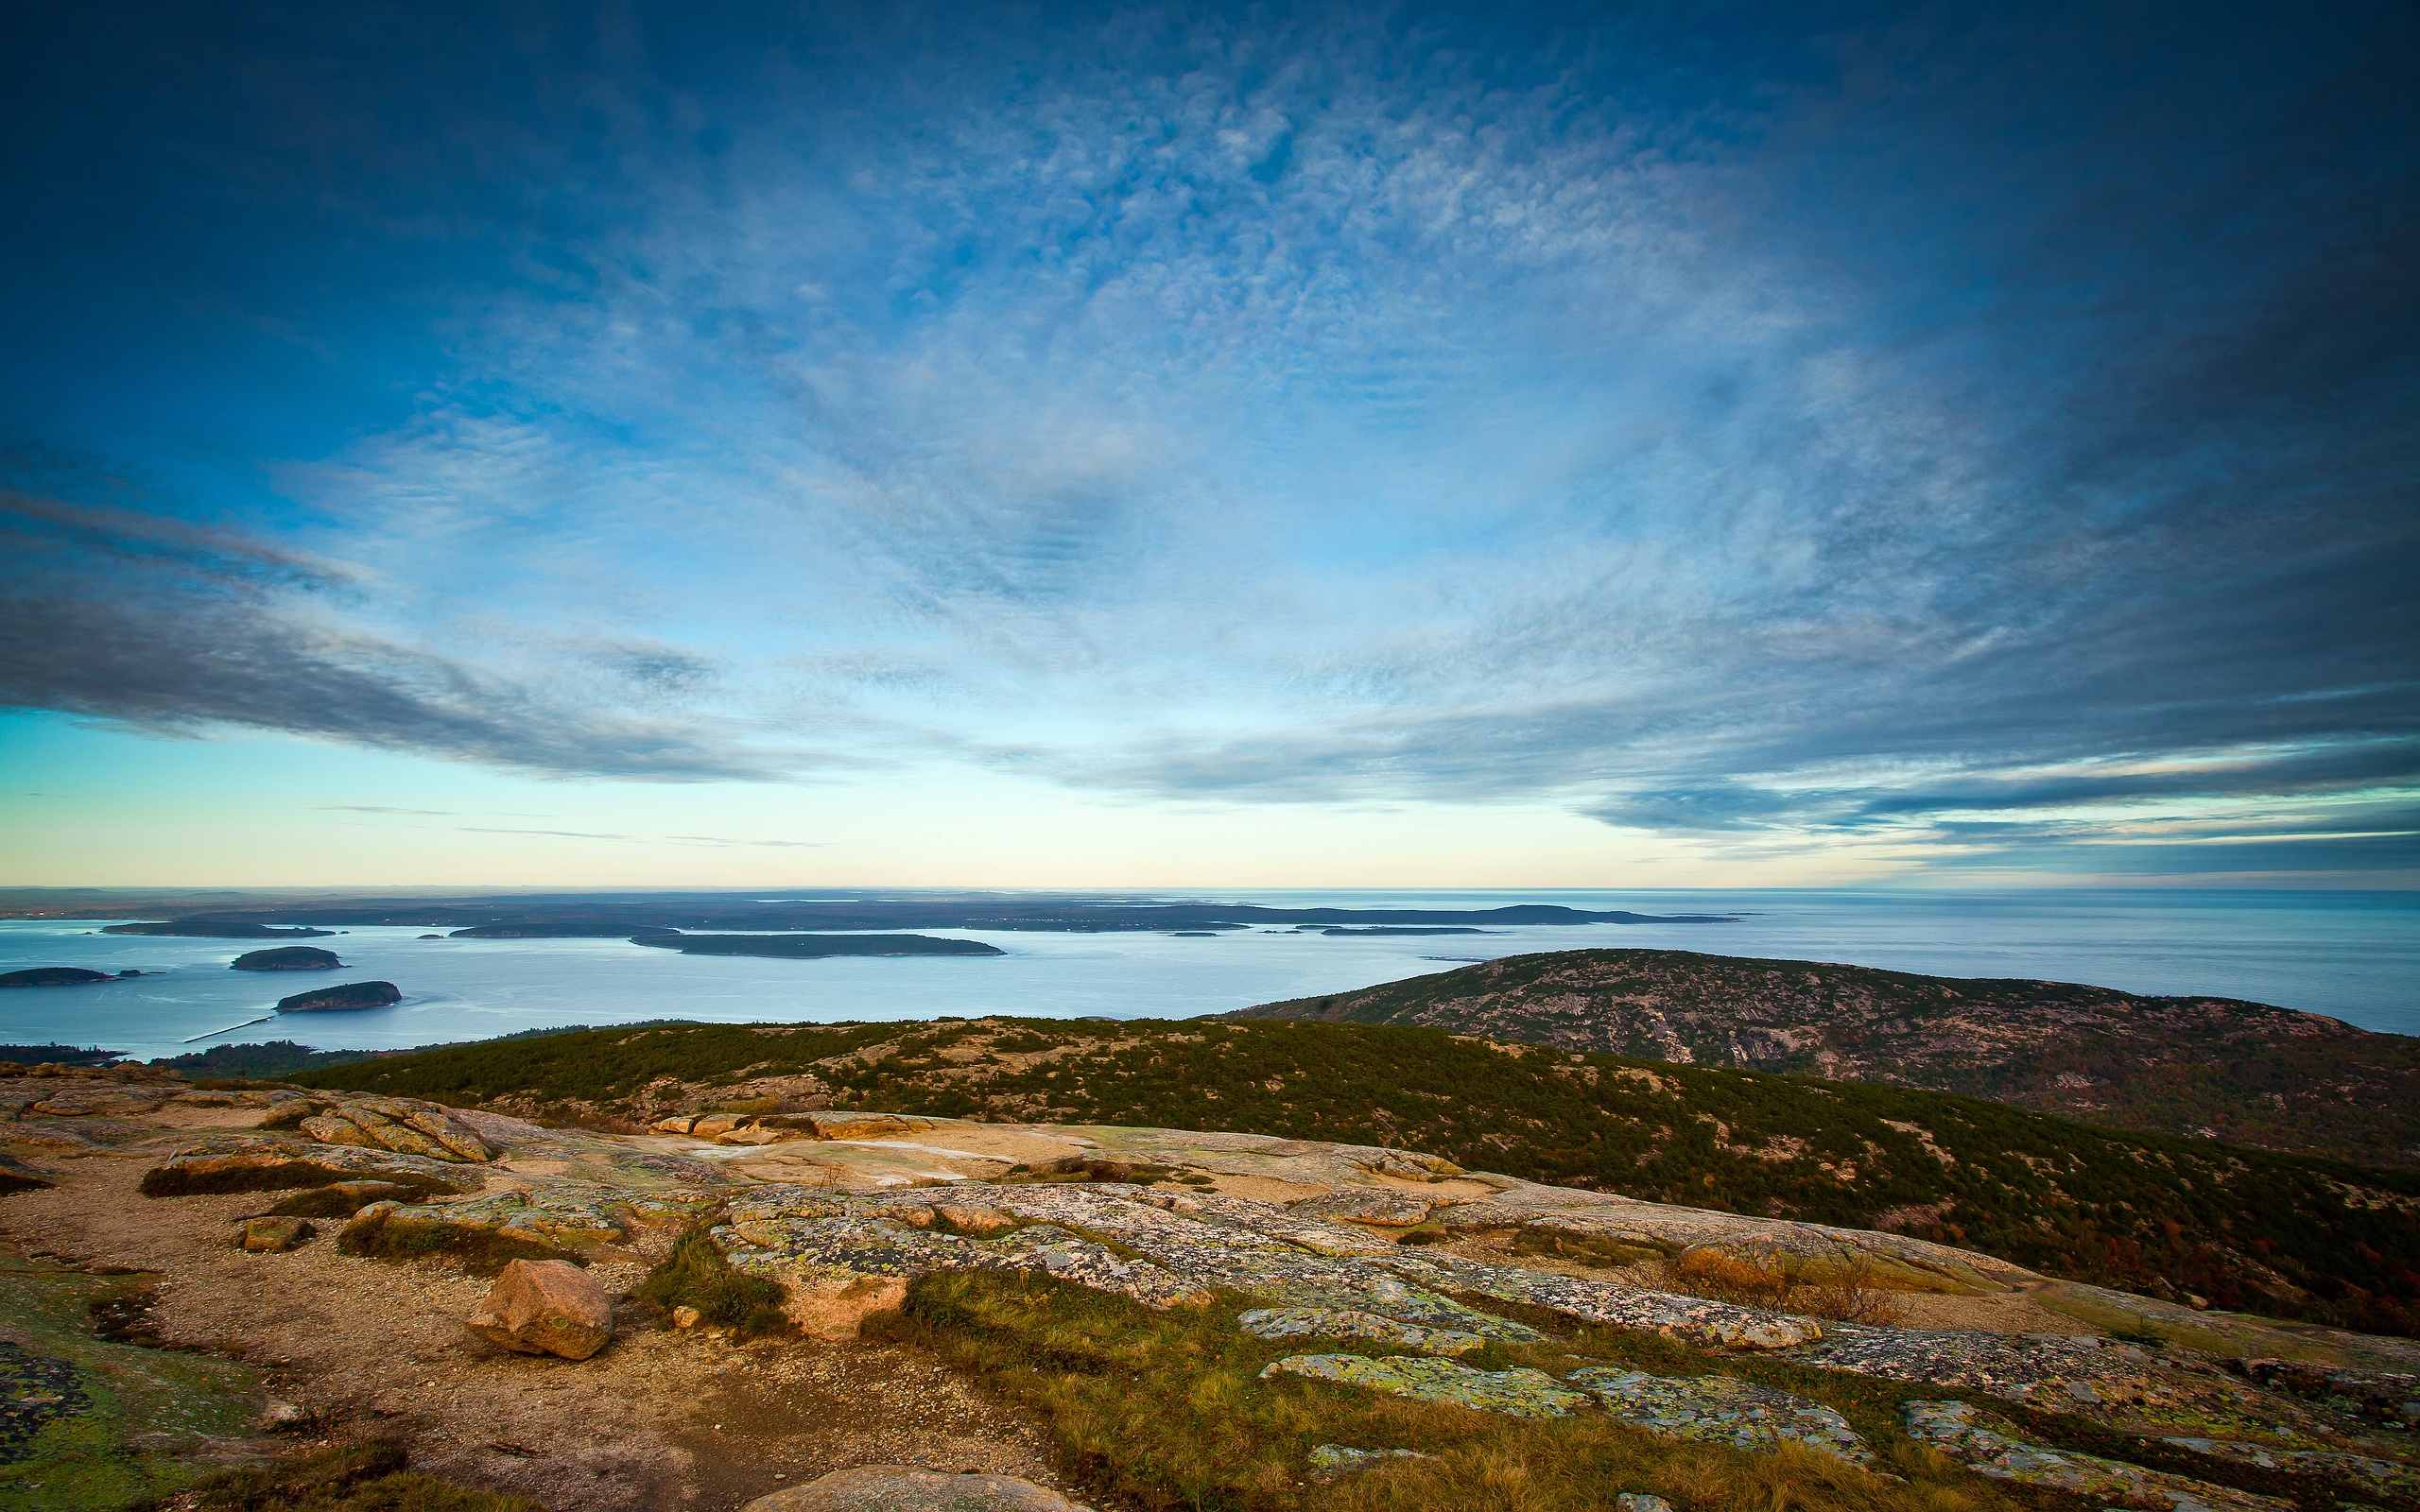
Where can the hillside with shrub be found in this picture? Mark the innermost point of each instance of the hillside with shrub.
(2217, 1068)
(2288, 1236)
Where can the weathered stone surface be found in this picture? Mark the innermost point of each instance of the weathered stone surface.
(834, 1304)
(969, 1218)
(16, 1175)
(433, 1122)
(843, 1125)
(1993, 1447)
(1331, 1461)
(1351, 1323)
(2391, 1397)
(1693, 1318)
(110, 1100)
(2379, 1476)
(331, 1129)
(553, 1216)
(2121, 1386)
(900, 1489)
(265, 1163)
(1375, 1205)
(1722, 1410)
(1519, 1393)
(271, 1235)
(546, 1307)
(1640, 1502)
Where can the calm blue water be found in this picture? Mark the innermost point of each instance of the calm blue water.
(2353, 955)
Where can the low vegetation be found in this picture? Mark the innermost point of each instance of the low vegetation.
(2211, 1067)
(696, 1275)
(2289, 1236)
(1170, 1408)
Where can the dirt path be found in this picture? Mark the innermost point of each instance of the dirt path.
(660, 1420)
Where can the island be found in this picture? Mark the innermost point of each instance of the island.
(334, 998)
(215, 929)
(810, 947)
(1399, 929)
(287, 959)
(53, 976)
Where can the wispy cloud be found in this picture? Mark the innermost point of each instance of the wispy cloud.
(1962, 437)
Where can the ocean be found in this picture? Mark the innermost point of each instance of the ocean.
(2353, 955)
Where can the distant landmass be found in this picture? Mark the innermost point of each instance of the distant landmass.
(545, 916)
(809, 947)
(2210, 1067)
(1402, 929)
(287, 959)
(213, 929)
(53, 976)
(334, 998)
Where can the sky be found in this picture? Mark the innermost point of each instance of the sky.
(1149, 446)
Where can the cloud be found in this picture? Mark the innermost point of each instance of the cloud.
(172, 629)
(1980, 435)
(667, 840)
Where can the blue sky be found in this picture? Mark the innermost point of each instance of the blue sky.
(1073, 446)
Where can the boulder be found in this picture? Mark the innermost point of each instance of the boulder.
(832, 1303)
(271, 1235)
(546, 1307)
(900, 1489)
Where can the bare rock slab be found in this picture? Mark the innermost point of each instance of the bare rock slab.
(1722, 1410)
(1352, 1323)
(899, 1488)
(546, 1307)
(1516, 1393)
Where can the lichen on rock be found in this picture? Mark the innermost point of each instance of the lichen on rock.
(1722, 1410)
(1992, 1445)
(1520, 1393)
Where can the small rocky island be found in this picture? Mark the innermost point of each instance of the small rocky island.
(810, 947)
(350, 995)
(287, 959)
(57, 976)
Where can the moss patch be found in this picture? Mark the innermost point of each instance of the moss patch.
(128, 1422)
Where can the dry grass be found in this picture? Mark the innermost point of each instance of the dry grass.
(1849, 1294)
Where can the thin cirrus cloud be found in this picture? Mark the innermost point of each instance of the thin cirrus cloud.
(1985, 436)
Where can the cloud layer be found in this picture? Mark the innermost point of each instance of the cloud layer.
(1986, 438)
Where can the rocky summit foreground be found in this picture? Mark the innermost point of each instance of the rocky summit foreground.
(477, 1287)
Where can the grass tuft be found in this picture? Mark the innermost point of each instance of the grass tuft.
(696, 1275)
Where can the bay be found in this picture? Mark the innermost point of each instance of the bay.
(2353, 955)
